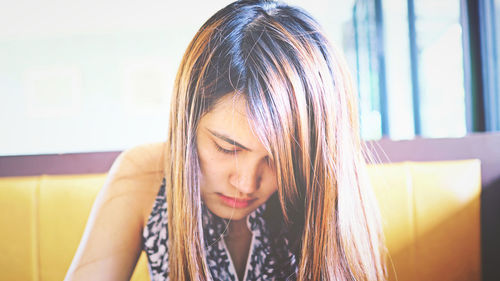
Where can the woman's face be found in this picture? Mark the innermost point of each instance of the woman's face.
(237, 176)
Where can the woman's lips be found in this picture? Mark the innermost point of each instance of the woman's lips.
(235, 202)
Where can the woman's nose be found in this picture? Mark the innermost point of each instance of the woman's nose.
(246, 179)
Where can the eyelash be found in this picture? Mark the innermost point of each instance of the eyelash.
(225, 151)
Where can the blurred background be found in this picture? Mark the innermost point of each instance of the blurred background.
(80, 76)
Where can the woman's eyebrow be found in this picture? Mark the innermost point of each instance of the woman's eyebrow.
(228, 140)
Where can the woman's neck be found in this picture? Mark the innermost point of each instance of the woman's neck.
(238, 240)
(236, 228)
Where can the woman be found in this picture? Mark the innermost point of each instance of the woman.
(262, 176)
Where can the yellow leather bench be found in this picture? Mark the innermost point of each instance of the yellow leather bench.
(430, 213)
(431, 217)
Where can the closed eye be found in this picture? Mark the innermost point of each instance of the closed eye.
(223, 150)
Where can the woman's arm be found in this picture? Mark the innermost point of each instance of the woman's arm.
(111, 243)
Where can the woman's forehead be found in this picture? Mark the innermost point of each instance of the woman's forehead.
(229, 118)
(230, 105)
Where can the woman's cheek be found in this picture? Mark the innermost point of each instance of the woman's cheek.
(212, 164)
(206, 156)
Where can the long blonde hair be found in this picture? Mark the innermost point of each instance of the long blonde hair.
(303, 108)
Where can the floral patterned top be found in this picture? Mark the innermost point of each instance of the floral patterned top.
(269, 258)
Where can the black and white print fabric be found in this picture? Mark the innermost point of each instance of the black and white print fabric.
(269, 257)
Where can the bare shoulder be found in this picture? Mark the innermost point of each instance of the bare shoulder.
(111, 242)
(139, 162)
(139, 171)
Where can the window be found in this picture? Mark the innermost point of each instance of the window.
(489, 27)
(439, 62)
(416, 67)
(369, 71)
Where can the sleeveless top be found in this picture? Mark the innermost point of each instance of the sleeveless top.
(269, 258)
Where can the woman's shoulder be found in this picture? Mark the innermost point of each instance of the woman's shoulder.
(139, 171)
(121, 207)
(140, 163)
